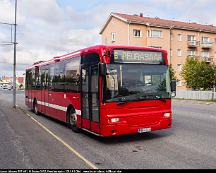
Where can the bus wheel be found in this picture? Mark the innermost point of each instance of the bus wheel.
(72, 117)
(35, 107)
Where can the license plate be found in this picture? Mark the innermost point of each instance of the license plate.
(143, 130)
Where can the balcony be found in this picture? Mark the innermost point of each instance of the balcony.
(193, 44)
(206, 45)
(207, 59)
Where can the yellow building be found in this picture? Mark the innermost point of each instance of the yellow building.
(180, 39)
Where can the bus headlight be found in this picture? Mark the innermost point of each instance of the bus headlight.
(167, 115)
(115, 120)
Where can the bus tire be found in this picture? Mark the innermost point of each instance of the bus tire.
(72, 120)
(35, 107)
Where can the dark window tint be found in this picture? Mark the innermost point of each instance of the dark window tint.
(92, 58)
(37, 78)
(33, 78)
(28, 79)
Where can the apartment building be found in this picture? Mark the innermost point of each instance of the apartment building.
(180, 39)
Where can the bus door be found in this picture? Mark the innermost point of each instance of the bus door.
(90, 98)
(44, 90)
(28, 87)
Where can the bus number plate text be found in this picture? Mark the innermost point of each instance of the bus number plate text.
(143, 130)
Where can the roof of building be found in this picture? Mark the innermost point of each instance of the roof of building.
(7, 78)
(20, 80)
(163, 23)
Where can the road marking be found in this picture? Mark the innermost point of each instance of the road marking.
(62, 142)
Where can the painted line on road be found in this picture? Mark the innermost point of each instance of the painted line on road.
(61, 141)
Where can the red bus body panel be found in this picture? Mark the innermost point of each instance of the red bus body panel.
(135, 115)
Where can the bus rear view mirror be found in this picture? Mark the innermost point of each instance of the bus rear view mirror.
(102, 67)
(173, 87)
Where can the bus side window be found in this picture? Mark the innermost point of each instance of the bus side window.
(33, 78)
(72, 75)
(50, 78)
(59, 77)
(28, 79)
(37, 78)
(44, 78)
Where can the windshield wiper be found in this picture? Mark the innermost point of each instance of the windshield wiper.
(121, 102)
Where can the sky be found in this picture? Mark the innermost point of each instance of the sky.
(48, 28)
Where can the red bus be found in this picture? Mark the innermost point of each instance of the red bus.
(105, 90)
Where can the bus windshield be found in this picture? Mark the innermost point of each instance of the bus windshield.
(134, 82)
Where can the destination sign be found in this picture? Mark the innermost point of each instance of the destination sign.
(131, 56)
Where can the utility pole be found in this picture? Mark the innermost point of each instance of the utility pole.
(14, 64)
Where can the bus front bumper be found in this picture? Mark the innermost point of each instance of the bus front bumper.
(124, 128)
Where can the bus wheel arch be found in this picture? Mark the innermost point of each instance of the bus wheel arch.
(72, 118)
(35, 106)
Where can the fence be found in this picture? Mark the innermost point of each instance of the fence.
(196, 95)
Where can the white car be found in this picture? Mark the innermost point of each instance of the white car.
(7, 87)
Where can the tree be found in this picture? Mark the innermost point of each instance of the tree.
(198, 74)
(172, 73)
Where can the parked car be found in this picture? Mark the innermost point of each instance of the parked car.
(7, 87)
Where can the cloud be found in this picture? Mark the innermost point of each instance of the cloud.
(47, 11)
(6, 11)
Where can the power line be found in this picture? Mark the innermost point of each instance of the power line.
(6, 43)
(5, 23)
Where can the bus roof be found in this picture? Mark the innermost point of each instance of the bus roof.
(96, 48)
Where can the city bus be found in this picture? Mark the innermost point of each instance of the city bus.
(105, 90)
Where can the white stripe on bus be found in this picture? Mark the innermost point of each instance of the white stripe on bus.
(78, 112)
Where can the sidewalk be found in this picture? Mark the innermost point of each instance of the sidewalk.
(25, 145)
(202, 102)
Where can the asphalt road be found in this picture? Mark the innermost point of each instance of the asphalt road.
(190, 143)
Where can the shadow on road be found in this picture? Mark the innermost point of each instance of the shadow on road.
(130, 137)
(116, 139)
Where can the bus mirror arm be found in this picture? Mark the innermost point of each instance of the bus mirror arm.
(102, 67)
(173, 88)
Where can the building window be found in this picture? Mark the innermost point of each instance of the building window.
(179, 67)
(136, 33)
(155, 33)
(179, 51)
(205, 54)
(191, 38)
(205, 40)
(179, 37)
(191, 53)
(113, 35)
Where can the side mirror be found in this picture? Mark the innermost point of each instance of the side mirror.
(102, 67)
(173, 87)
